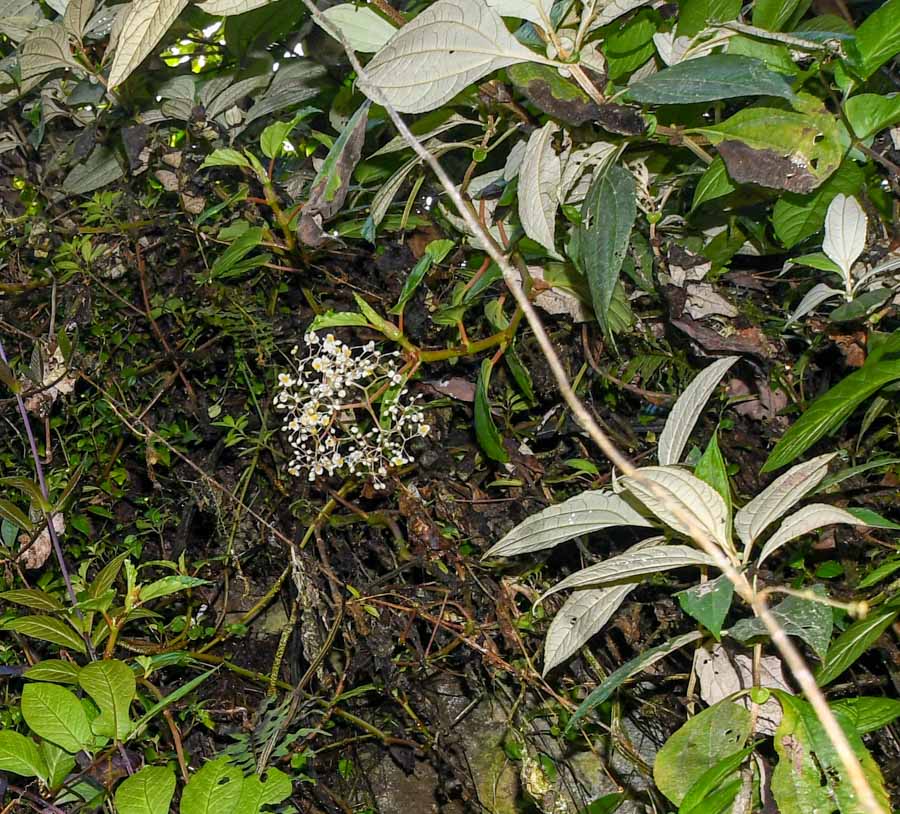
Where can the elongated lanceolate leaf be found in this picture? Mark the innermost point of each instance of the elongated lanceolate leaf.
(150, 791)
(807, 519)
(819, 293)
(705, 79)
(49, 629)
(845, 232)
(687, 410)
(627, 670)
(583, 614)
(144, 26)
(361, 27)
(784, 492)
(228, 8)
(447, 47)
(590, 511)
(633, 564)
(671, 487)
(853, 642)
(607, 218)
(539, 180)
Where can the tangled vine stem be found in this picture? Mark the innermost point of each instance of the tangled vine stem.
(757, 602)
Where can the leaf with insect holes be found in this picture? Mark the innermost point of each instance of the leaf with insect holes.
(670, 487)
(585, 513)
(845, 232)
(687, 410)
(633, 564)
(539, 179)
(143, 27)
(365, 30)
(779, 496)
(807, 619)
(583, 614)
(215, 788)
(446, 48)
(809, 518)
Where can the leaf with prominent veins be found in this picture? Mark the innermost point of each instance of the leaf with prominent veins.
(539, 179)
(445, 49)
(145, 25)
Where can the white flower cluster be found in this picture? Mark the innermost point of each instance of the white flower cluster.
(331, 416)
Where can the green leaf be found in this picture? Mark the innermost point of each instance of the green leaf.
(101, 168)
(711, 469)
(781, 149)
(804, 618)
(338, 319)
(256, 792)
(107, 576)
(878, 38)
(169, 585)
(831, 410)
(607, 217)
(809, 775)
(9, 511)
(171, 698)
(859, 307)
(225, 157)
(700, 745)
(773, 15)
(714, 183)
(20, 755)
(706, 79)
(853, 642)
(227, 263)
(489, 438)
(56, 715)
(868, 713)
(412, 282)
(48, 629)
(616, 679)
(110, 683)
(33, 598)
(797, 216)
(699, 793)
(870, 113)
(55, 671)
(149, 791)
(59, 764)
(215, 789)
(708, 603)
(696, 15)
(271, 140)
(548, 91)
(629, 46)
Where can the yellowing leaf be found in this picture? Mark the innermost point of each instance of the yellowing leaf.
(446, 48)
(143, 27)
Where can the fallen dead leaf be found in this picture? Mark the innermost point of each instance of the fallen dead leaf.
(35, 555)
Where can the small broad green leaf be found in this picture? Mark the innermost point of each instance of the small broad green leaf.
(687, 410)
(607, 218)
(48, 629)
(215, 789)
(110, 683)
(271, 140)
(489, 438)
(700, 796)
(809, 775)
(338, 319)
(878, 38)
(706, 79)
(59, 764)
(225, 157)
(781, 149)
(616, 679)
(55, 714)
(585, 513)
(539, 179)
(773, 15)
(149, 791)
(804, 618)
(717, 733)
(169, 585)
(20, 755)
(447, 47)
(144, 25)
(860, 307)
(56, 671)
(868, 713)
(714, 183)
(256, 792)
(870, 113)
(797, 216)
(853, 642)
(711, 469)
(831, 410)
(33, 598)
(365, 30)
(708, 603)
